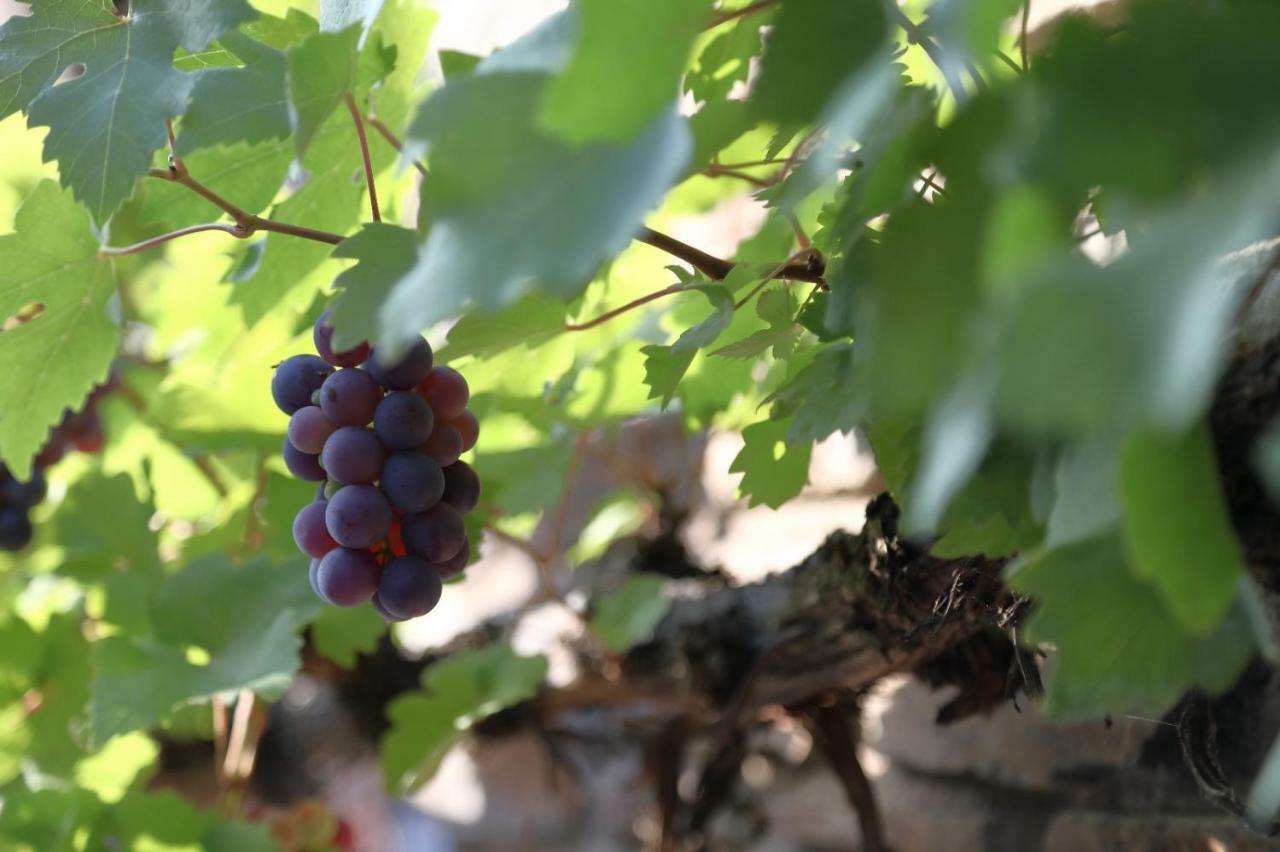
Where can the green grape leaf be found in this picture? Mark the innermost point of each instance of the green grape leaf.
(1179, 534)
(704, 333)
(105, 124)
(340, 633)
(1118, 648)
(825, 396)
(528, 322)
(776, 307)
(457, 692)
(96, 543)
(383, 253)
(236, 105)
(319, 74)
(636, 47)
(557, 212)
(52, 271)
(50, 666)
(239, 621)
(664, 367)
(773, 469)
(627, 616)
(813, 47)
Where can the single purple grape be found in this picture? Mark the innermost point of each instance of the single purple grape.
(353, 456)
(405, 374)
(349, 397)
(309, 429)
(322, 336)
(358, 516)
(468, 427)
(296, 379)
(461, 487)
(412, 482)
(347, 577)
(302, 465)
(455, 564)
(446, 390)
(436, 535)
(444, 444)
(309, 530)
(402, 420)
(409, 587)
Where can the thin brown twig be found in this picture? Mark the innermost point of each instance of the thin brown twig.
(394, 142)
(118, 251)
(219, 706)
(776, 273)
(364, 155)
(724, 171)
(1007, 60)
(246, 223)
(622, 309)
(749, 9)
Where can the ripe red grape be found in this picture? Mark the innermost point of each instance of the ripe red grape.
(347, 577)
(461, 487)
(358, 516)
(468, 427)
(446, 390)
(322, 337)
(406, 373)
(412, 482)
(349, 397)
(309, 530)
(309, 429)
(302, 465)
(403, 420)
(436, 535)
(296, 379)
(444, 444)
(353, 456)
(409, 587)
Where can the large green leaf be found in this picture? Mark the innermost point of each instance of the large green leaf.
(245, 103)
(320, 73)
(457, 693)
(1118, 648)
(773, 469)
(51, 269)
(241, 619)
(1179, 534)
(625, 67)
(557, 212)
(105, 124)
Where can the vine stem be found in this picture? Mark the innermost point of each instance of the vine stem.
(117, 251)
(364, 155)
(394, 142)
(629, 306)
(1022, 41)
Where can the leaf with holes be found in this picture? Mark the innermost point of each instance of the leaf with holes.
(105, 124)
(52, 271)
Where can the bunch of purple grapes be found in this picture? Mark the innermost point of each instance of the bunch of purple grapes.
(384, 441)
(77, 430)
